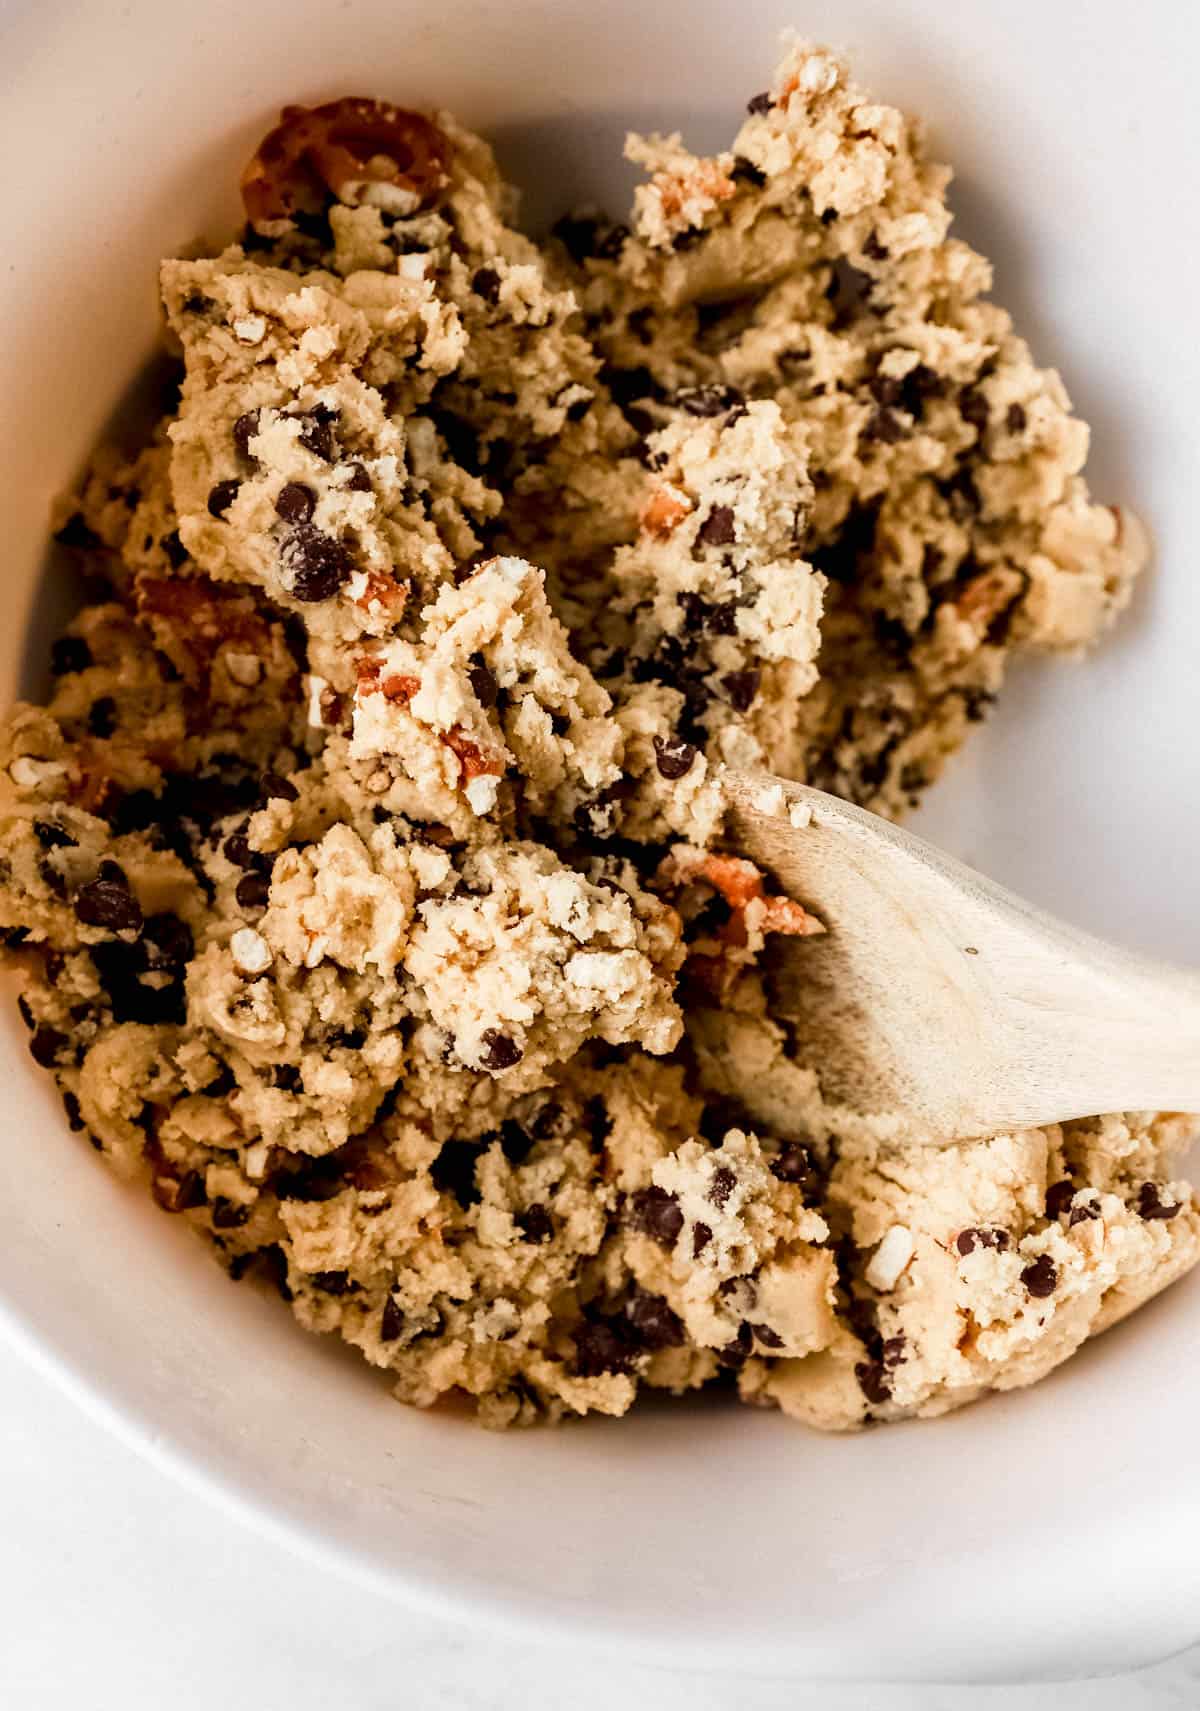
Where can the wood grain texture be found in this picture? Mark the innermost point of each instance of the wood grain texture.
(941, 1005)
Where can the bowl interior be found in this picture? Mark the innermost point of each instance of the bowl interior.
(699, 1531)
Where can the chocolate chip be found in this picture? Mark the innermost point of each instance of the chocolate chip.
(499, 1050)
(1151, 1206)
(222, 496)
(1041, 1277)
(391, 1321)
(316, 430)
(1015, 421)
(68, 655)
(722, 1185)
(701, 1237)
(652, 1322)
(673, 757)
(873, 1382)
(74, 1114)
(1058, 1197)
(45, 1045)
(483, 685)
(968, 1240)
(893, 1350)
(713, 400)
(332, 1282)
(973, 407)
(295, 502)
(253, 891)
(766, 1336)
(600, 1348)
(717, 529)
(75, 533)
(272, 785)
(228, 1214)
(1086, 1213)
(108, 902)
(178, 1193)
(535, 1223)
(885, 426)
(741, 688)
(759, 104)
(236, 849)
(102, 717)
(318, 565)
(745, 172)
(453, 1171)
(358, 479)
(736, 1353)
(656, 1213)
(794, 1163)
(244, 430)
(52, 837)
(486, 284)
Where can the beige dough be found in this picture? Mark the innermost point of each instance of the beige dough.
(364, 865)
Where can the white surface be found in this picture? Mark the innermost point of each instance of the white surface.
(122, 1592)
(1069, 1517)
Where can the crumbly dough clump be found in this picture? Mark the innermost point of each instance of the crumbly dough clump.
(363, 867)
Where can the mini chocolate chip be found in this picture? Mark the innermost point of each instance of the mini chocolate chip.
(652, 1322)
(359, 478)
(1058, 1197)
(102, 717)
(236, 849)
(253, 891)
(767, 1337)
(222, 496)
(75, 533)
(178, 1193)
(535, 1223)
(973, 407)
(316, 430)
(885, 426)
(71, 1107)
(271, 785)
(656, 1213)
(1041, 1277)
(759, 104)
(737, 1352)
(45, 1045)
(318, 564)
(108, 902)
(722, 1185)
(673, 757)
(332, 1282)
(295, 502)
(701, 1237)
(794, 1163)
(486, 284)
(717, 529)
(1083, 1214)
(391, 1321)
(228, 1214)
(68, 655)
(599, 1348)
(287, 1076)
(499, 1050)
(969, 1240)
(244, 430)
(745, 172)
(741, 688)
(483, 685)
(52, 837)
(1151, 1206)
(893, 1350)
(713, 400)
(873, 1382)
(1015, 421)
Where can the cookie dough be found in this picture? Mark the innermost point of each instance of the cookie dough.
(364, 869)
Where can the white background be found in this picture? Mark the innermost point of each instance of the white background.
(121, 1590)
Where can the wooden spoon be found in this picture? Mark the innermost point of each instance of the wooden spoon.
(940, 1006)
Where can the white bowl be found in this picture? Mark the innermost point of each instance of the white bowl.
(1055, 1531)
